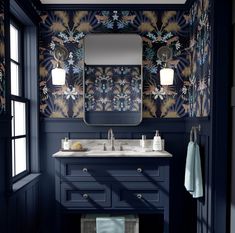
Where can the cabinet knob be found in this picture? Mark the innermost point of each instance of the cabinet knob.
(139, 196)
(85, 169)
(85, 196)
(139, 170)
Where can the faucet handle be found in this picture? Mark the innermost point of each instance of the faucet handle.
(121, 147)
(104, 147)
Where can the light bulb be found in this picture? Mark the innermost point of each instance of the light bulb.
(166, 76)
(58, 76)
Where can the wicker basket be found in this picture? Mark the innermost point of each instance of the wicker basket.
(88, 224)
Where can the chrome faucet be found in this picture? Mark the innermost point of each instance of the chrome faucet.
(111, 139)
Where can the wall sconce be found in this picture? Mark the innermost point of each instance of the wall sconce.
(58, 73)
(164, 53)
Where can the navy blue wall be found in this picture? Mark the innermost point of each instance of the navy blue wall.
(2, 178)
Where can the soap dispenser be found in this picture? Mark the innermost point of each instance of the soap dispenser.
(157, 142)
(66, 144)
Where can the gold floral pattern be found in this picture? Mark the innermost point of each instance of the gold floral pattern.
(186, 33)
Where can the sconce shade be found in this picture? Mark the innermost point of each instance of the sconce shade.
(166, 76)
(58, 76)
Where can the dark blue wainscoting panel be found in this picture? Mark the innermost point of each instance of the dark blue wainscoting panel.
(183, 213)
(24, 209)
(19, 211)
(2, 183)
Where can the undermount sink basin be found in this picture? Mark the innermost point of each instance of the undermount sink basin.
(115, 153)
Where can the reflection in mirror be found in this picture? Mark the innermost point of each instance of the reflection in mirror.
(113, 79)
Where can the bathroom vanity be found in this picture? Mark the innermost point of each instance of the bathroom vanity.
(127, 181)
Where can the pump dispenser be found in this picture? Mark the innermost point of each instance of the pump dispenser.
(157, 142)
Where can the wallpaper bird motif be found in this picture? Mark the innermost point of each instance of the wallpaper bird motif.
(2, 60)
(184, 32)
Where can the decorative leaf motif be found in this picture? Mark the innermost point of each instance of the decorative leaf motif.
(166, 16)
(151, 15)
(2, 49)
(206, 5)
(43, 107)
(146, 27)
(78, 16)
(136, 107)
(108, 107)
(101, 18)
(99, 107)
(186, 72)
(172, 27)
(57, 27)
(78, 108)
(84, 27)
(63, 15)
(43, 72)
(43, 18)
(166, 105)
(129, 18)
(57, 114)
(108, 71)
(62, 104)
(151, 106)
(172, 114)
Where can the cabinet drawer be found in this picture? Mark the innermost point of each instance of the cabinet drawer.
(119, 172)
(144, 195)
(85, 195)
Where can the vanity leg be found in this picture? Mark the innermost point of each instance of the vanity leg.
(58, 219)
(166, 221)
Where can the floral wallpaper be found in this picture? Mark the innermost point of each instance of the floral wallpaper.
(2, 60)
(116, 88)
(201, 59)
(157, 28)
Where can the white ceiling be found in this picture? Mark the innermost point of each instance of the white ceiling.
(113, 1)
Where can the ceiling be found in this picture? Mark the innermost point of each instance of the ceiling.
(113, 1)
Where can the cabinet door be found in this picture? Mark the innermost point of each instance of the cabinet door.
(91, 195)
(139, 195)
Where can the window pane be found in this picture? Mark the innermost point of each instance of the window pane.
(14, 79)
(19, 118)
(13, 156)
(14, 35)
(20, 155)
(12, 120)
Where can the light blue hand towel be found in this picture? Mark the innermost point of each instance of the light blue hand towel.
(110, 225)
(193, 173)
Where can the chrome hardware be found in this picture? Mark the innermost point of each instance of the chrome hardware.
(85, 196)
(139, 170)
(111, 139)
(85, 169)
(104, 147)
(139, 196)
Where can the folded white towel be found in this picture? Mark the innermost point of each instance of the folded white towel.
(193, 174)
(110, 225)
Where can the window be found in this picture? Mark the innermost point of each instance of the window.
(19, 104)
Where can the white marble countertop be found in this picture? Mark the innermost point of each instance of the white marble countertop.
(131, 148)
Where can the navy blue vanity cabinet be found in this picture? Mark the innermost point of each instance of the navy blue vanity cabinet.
(103, 185)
